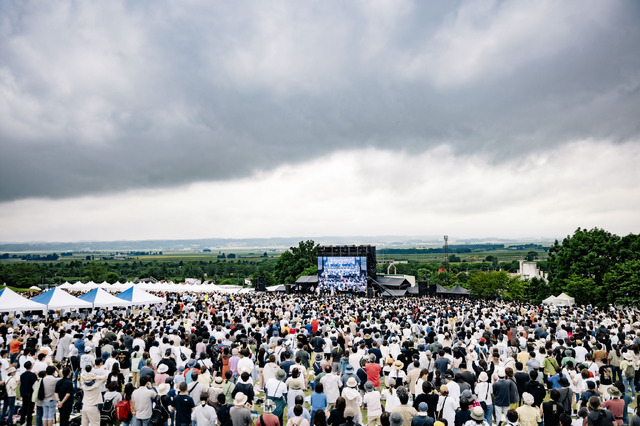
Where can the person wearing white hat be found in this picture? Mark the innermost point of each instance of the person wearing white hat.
(628, 369)
(240, 414)
(527, 414)
(353, 398)
(484, 392)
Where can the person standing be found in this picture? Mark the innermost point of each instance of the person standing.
(49, 402)
(64, 396)
(240, 415)
(11, 385)
(502, 391)
(92, 397)
(184, 405)
(598, 416)
(27, 380)
(142, 402)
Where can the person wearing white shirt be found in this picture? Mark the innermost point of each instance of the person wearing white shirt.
(204, 414)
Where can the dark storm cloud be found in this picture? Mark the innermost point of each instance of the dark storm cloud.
(108, 97)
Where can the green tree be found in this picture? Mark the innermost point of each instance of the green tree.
(294, 261)
(446, 279)
(587, 254)
(582, 289)
(623, 283)
(531, 256)
(497, 284)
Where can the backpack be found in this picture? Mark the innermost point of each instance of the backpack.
(123, 411)
(630, 372)
(160, 413)
(108, 413)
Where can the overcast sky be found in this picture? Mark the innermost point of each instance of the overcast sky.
(193, 119)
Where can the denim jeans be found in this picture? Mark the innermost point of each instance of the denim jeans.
(629, 385)
(141, 422)
(11, 404)
(39, 411)
(488, 415)
(49, 408)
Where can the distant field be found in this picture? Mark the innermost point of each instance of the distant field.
(504, 255)
(256, 255)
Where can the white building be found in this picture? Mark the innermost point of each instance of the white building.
(528, 270)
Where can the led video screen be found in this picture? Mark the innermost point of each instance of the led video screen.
(342, 273)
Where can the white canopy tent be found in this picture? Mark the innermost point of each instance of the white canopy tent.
(59, 299)
(10, 301)
(101, 299)
(565, 299)
(560, 300)
(138, 297)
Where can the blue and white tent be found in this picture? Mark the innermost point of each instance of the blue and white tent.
(10, 301)
(101, 299)
(59, 299)
(138, 296)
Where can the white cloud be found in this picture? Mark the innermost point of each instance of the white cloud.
(365, 192)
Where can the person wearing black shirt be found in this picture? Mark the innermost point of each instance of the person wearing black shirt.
(64, 396)
(224, 417)
(337, 415)
(551, 410)
(535, 388)
(27, 380)
(169, 362)
(183, 405)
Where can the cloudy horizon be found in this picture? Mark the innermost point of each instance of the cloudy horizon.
(175, 120)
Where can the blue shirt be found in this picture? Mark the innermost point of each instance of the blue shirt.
(318, 401)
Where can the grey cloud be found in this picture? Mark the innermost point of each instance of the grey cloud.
(104, 98)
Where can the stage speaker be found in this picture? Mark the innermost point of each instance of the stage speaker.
(261, 285)
(423, 288)
(370, 292)
(432, 290)
(287, 288)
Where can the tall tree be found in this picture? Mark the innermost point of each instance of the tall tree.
(294, 261)
(586, 254)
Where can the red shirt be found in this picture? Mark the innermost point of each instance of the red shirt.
(373, 373)
(314, 325)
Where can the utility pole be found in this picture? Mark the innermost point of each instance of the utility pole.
(446, 257)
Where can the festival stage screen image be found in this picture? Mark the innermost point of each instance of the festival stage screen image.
(342, 273)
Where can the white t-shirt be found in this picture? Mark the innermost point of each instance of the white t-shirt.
(372, 401)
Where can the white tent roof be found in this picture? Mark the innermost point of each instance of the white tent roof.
(10, 301)
(59, 299)
(137, 297)
(551, 300)
(101, 299)
(566, 299)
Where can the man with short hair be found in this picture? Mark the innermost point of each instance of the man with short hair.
(406, 411)
(64, 396)
(183, 405)
(142, 402)
(332, 385)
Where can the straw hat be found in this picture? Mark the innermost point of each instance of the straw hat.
(164, 389)
(398, 365)
(477, 413)
(352, 383)
(295, 385)
(163, 368)
(240, 399)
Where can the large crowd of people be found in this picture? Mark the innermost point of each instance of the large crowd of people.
(300, 360)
